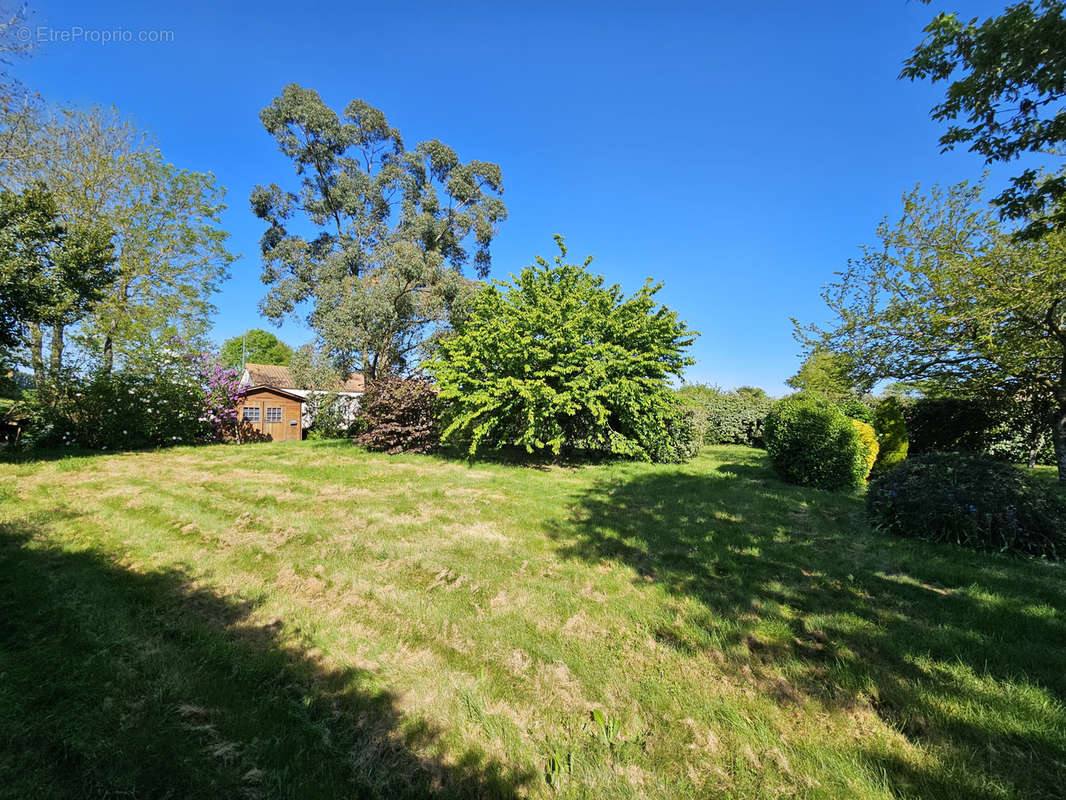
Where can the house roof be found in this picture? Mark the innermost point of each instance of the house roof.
(280, 378)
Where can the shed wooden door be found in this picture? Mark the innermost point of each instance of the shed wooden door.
(277, 418)
(273, 419)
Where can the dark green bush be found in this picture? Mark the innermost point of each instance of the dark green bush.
(1002, 428)
(812, 443)
(732, 417)
(891, 434)
(972, 500)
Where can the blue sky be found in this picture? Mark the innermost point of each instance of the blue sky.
(738, 152)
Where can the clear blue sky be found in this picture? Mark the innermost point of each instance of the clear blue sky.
(739, 152)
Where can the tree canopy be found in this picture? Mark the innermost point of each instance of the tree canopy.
(826, 374)
(256, 346)
(950, 298)
(170, 253)
(554, 359)
(370, 247)
(1007, 80)
(49, 272)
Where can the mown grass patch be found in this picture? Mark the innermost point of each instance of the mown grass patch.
(308, 620)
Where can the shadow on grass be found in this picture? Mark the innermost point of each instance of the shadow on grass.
(118, 683)
(963, 653)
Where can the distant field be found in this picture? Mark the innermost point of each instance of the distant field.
(307, 620)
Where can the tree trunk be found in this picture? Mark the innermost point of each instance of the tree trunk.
(37, 355)
(55, 357)
(1058, 435)
(1036, 444)
(108, 356)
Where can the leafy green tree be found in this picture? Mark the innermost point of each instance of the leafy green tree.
(824, 373)
(751, 393)
(1007, 79)
(388, 230)
(256, 346)
(950, 298)
(170, 249)
(556, 360)
(50, 273)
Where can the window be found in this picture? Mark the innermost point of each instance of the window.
(273, 415)
(251, 413)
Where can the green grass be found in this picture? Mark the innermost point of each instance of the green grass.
(307, 620)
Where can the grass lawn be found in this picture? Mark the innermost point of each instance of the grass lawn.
(307, 620)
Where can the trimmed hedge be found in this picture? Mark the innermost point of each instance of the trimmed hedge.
(732, 417)
(972, 500)
(812, 443)
(673, 434)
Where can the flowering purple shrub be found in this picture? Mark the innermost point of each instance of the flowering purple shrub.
(222, 392)
(181, 398)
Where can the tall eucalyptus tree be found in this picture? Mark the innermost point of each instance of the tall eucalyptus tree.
(369, 248)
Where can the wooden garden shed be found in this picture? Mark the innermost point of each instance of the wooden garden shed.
(266, 412)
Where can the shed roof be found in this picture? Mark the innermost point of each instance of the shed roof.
(280, 377)
(273, 390)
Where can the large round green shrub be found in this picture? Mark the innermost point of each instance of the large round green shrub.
(891, 434)
(557, 361)
(813, 443)
(969, 499)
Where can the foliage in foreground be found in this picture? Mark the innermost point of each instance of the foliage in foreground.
(556, 361)
(398, 415)
(970, 500)
(1005, 77)
(812, 443)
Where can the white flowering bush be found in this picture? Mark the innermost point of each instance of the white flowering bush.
(186, 399)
